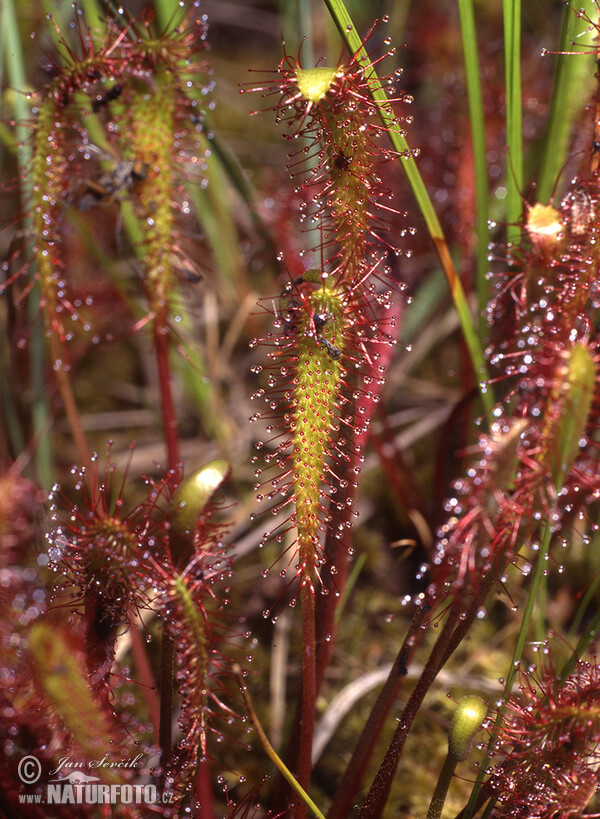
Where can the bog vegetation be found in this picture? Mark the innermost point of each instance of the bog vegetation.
(299, 455)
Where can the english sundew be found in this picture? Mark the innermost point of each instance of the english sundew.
(331, 112)
(550, 739)
(326, 371)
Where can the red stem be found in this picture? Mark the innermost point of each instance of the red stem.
(309, 690)
(337, 549)
(354, 773)
(203, 789)
(61, 374)
(162, 348)
(458, 622)
(145, 678)
(377, 796)
(161, 345)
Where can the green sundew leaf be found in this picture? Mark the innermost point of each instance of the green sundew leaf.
(580, 380)
(195, 626)
(314, 83)
(58, 673)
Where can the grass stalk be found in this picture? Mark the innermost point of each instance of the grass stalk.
(476, 115)
(275, 758)
(514, 119)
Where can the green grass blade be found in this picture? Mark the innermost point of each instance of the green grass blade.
(514, 127)
(473, 81)
(353, 42)
(573, 83)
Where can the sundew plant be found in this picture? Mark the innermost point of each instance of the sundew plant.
(300, 395)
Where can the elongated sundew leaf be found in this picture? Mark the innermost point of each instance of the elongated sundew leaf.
(351, 198)
(319, 374)
(351, 38)
(324, 374)
(191, 607)
(194, 626)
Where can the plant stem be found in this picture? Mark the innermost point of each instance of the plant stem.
(538, 576)
(309, 689)
(377, 796)
(350, 782)
(60, 364)
(161, 344)
(476, 115)
(441, 789)
(165, 730)
(162, 349)
(337, 548)
(459, 620)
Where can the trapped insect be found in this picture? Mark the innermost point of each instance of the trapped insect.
(120, 175)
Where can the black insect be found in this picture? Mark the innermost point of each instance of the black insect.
(319, 320)
(101, 100)
(119, 175)
(341, 161)
(333, 351)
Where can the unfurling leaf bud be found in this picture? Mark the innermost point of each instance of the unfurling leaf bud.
(545, 227)
(195, 492)
(466, 721)
(314, 83)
